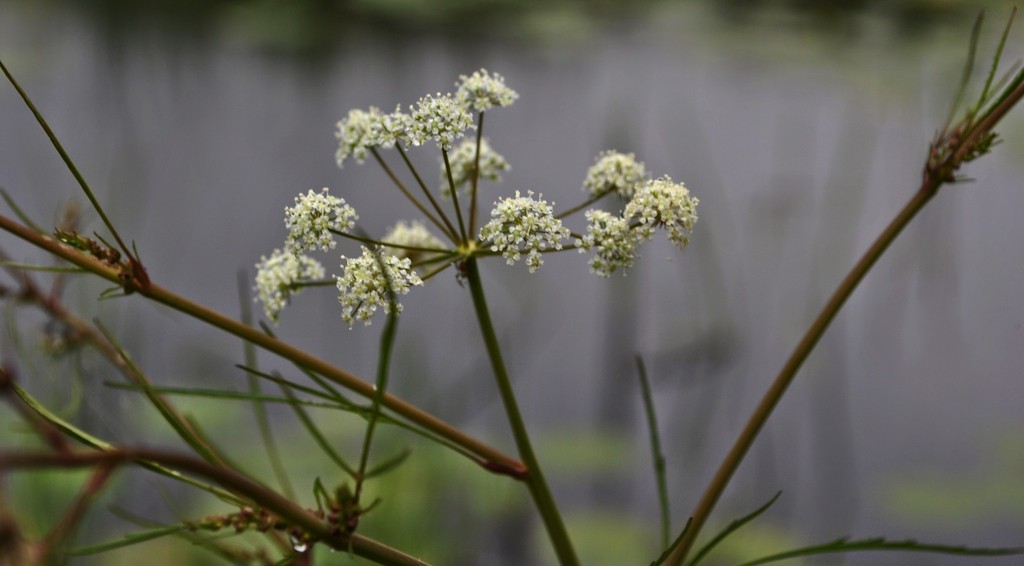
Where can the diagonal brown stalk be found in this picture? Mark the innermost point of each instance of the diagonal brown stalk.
(957, 144)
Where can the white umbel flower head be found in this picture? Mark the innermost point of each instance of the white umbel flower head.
(662, 203)
(312, 218)
(276, 278)
(439, 118)
(356, 133)
(462, 160)
(613, 243)
(614, 171)
(523, 223)
(389, 129)
(483, 90)
(364, 286)
(412, 235)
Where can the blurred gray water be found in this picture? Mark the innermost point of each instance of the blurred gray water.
(801, 148)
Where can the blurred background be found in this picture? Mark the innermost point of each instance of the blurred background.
(801, 126)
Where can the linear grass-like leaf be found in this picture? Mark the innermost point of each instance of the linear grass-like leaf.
(881, 544)
(19, 213)
(47, 268)
(89, 440)
(222, 394)
(314, 431)
(177, 422)
(656, 453)
(731, 528)
(128, 540)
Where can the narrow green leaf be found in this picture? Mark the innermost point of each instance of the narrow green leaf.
(314, 431)
(998, 55)
(178, 424)
(19, 213)
(965, 78)
(222, 394)
(389, 464)
(128, 540)
(89, 440)
(881, 544)
(668, 551)
(731, 528)
(656, 453)
(48, 268)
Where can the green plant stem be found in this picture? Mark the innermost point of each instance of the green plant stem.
(796, 359)
(476, 173)
(426, 191)
(656, 453)
(582, 205)
(489, 457)
(231, 480)
(67, 160)
(533, 477)
(447, 229)
(387, 342)
(455, 195)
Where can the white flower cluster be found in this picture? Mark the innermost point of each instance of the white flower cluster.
(483, 90)
(614, 171)
(661, 203)
(277, 276)
(364, 286)
(363, 129)
(412, 235)
(462, 160)
(523, 223)
(612, 241)
(312, 218)
(354, 134)
(440, 118)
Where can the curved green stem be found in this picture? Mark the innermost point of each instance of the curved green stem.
(533, 477)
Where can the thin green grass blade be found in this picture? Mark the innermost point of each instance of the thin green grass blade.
(998, 56)
(731, 528)
(965, 78)
(19, 213)
(668, 551)
(387, 343)
(656, 453)
(389, 464)
(314, 431)
(47, 268)
(128, 540)
(66, 158)
(178, 423)
(880, 544)
(290, 384)
(222, 395)
(92, 441)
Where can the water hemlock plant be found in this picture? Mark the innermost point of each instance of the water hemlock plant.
(622, 206)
